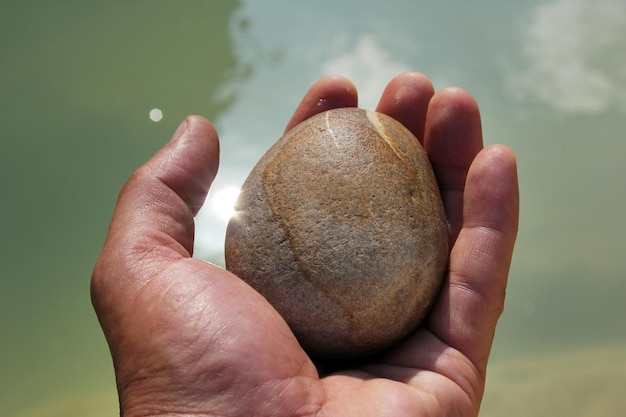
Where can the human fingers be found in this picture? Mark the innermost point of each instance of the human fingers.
(328, 93)
(456, 339)
(164, 194)
(153, 219)
(472, 299)
(453, 137)
(406, 99)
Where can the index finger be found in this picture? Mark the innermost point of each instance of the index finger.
(328, 93)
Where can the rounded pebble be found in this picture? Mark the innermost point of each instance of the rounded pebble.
(341, 227)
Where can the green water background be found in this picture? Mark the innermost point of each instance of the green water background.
(77, 83)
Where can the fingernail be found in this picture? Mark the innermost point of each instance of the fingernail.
(180, 130)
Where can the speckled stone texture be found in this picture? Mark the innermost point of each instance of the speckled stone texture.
(340, 226)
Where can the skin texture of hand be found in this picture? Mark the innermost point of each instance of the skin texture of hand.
(190, 339)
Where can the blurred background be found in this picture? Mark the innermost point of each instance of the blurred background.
(89, 91)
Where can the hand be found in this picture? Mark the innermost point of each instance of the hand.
(189, 338)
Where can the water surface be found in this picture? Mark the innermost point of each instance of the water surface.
(78, 83)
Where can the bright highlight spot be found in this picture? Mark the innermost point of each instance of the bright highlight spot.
(223, 202)
(156, 115)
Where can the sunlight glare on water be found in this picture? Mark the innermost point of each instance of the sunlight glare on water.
(223, 202)
(156, 115)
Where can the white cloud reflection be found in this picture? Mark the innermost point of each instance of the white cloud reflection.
(569, 46)
(368, 65)
(277, 75)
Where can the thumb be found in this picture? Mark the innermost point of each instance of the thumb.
(153, 221)
(156, 205)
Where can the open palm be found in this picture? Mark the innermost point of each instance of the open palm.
(189, 338)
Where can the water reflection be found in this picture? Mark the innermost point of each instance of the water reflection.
(568, 98)
(367, 62)
(353, 43)
(78, 82)
(572, 59)
(578, 382)
(93, 405)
